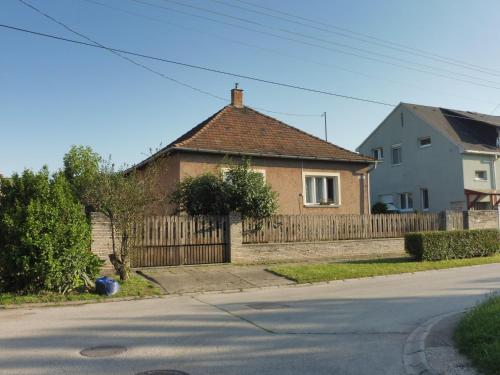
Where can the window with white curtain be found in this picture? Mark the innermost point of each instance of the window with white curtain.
(322, 189)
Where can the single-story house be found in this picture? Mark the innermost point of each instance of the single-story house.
(310, 175)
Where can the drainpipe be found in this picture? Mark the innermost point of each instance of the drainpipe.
(495, 184)
(369, 188)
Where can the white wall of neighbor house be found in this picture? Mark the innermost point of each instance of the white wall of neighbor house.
(481, 172)
(434, 165)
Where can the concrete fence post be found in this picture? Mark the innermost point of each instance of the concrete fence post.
(235, 235)
(101, 239)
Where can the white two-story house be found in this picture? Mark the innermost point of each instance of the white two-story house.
(434, 159)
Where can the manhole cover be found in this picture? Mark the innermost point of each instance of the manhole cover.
(103, 351)
(267, 306)
(162, 372)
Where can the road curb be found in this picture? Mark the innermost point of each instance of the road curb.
(414, 358)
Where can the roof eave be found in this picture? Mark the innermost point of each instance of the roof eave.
(263, 154)
(497, 153)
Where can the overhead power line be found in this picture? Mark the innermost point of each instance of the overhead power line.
(347, 33)
(117, 53)
(437, 74)
(199, 67)
(54, 37)
(322, 40)
(205, 32)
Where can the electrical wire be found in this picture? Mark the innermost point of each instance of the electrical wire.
(199, 67)
(317, 45)
(221, 72)
(118, 53)
(322, 40)
(279, 53)
(371, 39)
(147, 67)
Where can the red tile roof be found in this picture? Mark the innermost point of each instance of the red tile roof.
(243, 130)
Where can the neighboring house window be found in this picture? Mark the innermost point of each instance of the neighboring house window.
(397, 155)
(424, 142)
(405, 201)
(424, 193)
(481, 176)
(322, 189)
(378, 153)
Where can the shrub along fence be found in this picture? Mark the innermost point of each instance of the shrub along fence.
(309, 228)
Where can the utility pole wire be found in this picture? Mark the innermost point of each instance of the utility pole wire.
(382, 42)
(437, 74)
(119, 54)
(280, 53)
(55, 37)
(251, 78)
(322, 40)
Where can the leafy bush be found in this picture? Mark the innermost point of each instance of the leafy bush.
(239, 189)
(379, 208)
(44, 235)
(453, 244)
(202, 195)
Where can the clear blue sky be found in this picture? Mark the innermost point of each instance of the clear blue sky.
(55, 94)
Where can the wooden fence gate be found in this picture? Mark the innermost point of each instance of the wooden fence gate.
(178, 240)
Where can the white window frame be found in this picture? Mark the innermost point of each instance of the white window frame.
(476, 178)
(406, 194)
(422, 199)
(393, 147)
(261, 171)
(380, 152)
(320, 174)
(424, 146)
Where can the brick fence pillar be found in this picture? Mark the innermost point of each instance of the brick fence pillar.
(235, 235)
(102, 245)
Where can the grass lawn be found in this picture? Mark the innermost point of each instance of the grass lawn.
(136, 286)
(307, 273)
(478, 336)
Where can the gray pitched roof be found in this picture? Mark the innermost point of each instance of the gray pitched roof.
(471, 130)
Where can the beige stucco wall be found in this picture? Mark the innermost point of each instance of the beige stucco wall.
(285, 177)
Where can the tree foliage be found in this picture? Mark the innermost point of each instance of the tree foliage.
(44, 235)
(237, 189)
(81, 168)
(121, 195)
(379, 208)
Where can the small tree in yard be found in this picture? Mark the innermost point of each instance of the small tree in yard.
(123, 198)
(238, 189)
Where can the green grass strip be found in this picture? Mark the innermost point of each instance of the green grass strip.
(478, 336)
(307, 273)
(136, 286)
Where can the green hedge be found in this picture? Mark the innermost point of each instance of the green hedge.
(453, 244)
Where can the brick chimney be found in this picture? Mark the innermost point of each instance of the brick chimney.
(237, 97)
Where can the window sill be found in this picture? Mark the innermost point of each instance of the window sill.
(426, 146)
(407, 210)
(396, 165)
(480, 180)
(321, 205)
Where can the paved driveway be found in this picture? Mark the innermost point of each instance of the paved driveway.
(213, 278)
(352, 327)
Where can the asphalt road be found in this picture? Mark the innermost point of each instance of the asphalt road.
(348, 327)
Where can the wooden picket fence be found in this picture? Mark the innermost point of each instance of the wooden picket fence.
(307, 228)
(178, 240)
